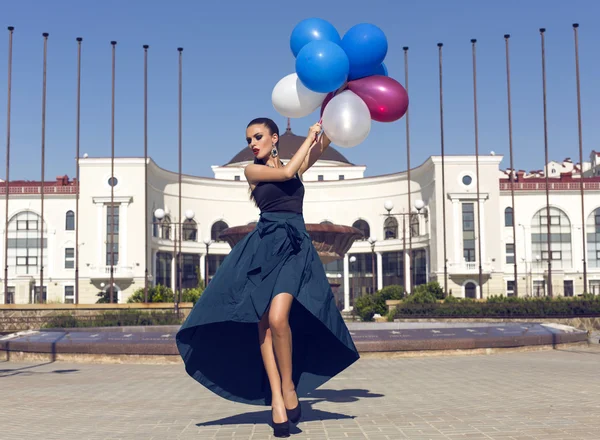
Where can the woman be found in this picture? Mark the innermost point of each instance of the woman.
(266, 329)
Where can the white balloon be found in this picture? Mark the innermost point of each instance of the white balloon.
(347, 120)
(292, 99)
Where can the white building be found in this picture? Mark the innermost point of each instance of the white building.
(336, 192)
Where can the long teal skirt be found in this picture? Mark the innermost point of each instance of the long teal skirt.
(219, 340)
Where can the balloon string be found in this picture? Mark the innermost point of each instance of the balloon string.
(321, 120)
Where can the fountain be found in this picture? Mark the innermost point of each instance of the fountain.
(331, 241)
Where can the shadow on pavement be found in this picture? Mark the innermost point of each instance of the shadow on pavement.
(6, 372)
(309, 413)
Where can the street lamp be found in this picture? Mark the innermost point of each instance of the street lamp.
(207, 242)
(419, 205)
(372, 240)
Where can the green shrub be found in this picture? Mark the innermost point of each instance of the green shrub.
(114, 319)
(421, 305)
(191, 295)
(364, 307)
(368, 305)
(432, 288)
(162, 294)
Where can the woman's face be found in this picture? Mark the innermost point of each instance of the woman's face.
(260, 140)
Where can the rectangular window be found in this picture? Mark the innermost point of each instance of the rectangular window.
(556, 255)
(27, 225)
(69, 295)
(237, 178)
(26, 261)
(510, 288)
(554, 220)
(539, 288)
(320, 177)
(595, 287)
(597, 255)
(35, 295)
(112, 224)
(510, 253)
(568, 287)
(468, 227)
(10, 295)
(341, 177)
(468, 216)
(69, 258)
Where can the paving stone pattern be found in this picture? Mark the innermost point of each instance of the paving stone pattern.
(546, 395)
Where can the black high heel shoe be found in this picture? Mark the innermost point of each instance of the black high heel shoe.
(295, 414)
(281, 430)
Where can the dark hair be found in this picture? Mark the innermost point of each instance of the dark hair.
(271, 125)
(273, 129)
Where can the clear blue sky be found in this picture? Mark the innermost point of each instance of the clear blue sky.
(235, 52)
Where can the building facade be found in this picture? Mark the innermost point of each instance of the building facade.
(336, 192)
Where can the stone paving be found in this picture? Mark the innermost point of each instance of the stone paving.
(546, 395)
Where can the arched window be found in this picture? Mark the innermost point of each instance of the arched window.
(471, 290)
(190, 230)
(24, 236)
(165, 228)
(390, 228)
(363, 227)
(70, 221)
(508, 216)
(414, 225)
(216, 230)
(593, 239)
(560, 238)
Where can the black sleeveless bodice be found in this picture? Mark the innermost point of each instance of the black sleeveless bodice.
(286, 196)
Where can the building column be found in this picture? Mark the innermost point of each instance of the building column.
(346, 283)
(173, 273)
(203, 266)
(122, 234)
(153, 266)
(482, 238)
(457, 223)
(407, 276)
(101, 228)
(379, 271)
(428, 266)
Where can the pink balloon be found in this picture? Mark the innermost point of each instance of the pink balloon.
(386, 98)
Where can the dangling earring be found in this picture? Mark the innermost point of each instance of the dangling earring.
(274, 151)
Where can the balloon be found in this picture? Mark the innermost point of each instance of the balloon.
(312, 29)
(325, 102)
(366, 47)
(379, 70)
(292, 99)
(346, 120)
(385, 97)
(322, 66)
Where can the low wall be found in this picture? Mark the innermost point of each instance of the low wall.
(18, 317)
(587, 324)
(582, 323)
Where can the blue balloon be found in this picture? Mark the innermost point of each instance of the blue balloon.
(366, 47)
(379, 70)
(322, 66)
(312, 29)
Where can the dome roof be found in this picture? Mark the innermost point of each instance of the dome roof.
(288, 145)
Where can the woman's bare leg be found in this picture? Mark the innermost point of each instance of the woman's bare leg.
(266, 350)
(282, 342)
